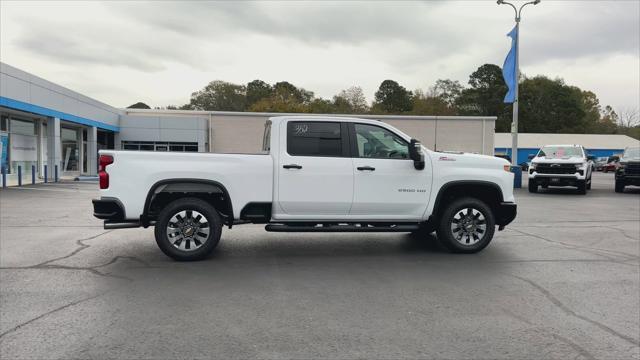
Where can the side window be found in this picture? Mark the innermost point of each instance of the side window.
(379, 143)
(314, 138)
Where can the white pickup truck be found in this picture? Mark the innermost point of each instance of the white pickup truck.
(561, 165)
(315, 174)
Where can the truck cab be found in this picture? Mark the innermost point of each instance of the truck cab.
(314, 174)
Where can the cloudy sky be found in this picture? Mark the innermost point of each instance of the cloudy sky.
(158, 53)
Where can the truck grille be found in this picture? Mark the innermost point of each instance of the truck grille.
(632, 169)
(556, 169)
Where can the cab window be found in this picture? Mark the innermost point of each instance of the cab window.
(379, 143)
(314, 138)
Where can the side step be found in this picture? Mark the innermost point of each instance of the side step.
(108, 225)
(343, 227)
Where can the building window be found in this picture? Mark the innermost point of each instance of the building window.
(159, 146)
(70, 151)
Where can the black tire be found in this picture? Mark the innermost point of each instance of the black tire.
(447, 221)
(619, 186)
(582, 187)
(589, 184)
(189, 205)
(533, 186)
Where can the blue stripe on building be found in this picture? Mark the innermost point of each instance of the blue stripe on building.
(39, 110)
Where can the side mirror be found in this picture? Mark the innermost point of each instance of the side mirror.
(591, 157)
(531, 156)
(415, 153)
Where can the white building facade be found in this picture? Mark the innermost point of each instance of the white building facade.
(50, 129)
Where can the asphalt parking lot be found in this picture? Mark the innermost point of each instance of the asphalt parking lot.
(563, 281)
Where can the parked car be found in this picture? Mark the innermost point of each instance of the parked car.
(316, 174)
(628, 171)
(600, 162)
(612, 163)
(560, 165)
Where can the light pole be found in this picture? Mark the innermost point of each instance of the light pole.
(514, 124)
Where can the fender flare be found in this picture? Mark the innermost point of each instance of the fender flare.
(186, 185)
(450, 184)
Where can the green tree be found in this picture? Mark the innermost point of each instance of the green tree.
(428, 104)
(392, 98)
(447, 90)
(486, 96)
(256, 91)
(139, 105)
(287, 91)
(321, 106)
(550, 106)
(220, 96)
(351, 101)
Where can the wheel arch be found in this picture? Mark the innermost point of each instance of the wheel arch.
(165, 191)
(486, 191)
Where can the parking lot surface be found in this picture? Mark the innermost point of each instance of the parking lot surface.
(562, 281)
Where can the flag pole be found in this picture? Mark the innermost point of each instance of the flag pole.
(514, 124)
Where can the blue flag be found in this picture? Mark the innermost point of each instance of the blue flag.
(509, 68)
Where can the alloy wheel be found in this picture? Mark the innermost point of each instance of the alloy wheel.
(188, 230)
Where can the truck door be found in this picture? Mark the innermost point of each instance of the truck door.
(386, 183)
(315, 172)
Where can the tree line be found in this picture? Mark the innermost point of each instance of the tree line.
(546, 105)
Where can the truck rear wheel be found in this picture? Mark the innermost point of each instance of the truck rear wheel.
(467, 225)
(188, 229)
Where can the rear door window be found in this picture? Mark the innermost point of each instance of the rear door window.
(314, 138)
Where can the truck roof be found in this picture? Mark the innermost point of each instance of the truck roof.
(323, 118)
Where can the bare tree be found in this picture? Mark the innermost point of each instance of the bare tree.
(628, 118)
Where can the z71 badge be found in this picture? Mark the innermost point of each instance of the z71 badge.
(412, 190)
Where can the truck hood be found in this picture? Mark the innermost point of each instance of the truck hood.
(567, 160)
(473, 160)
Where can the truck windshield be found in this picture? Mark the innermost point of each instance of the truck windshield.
(557, 152)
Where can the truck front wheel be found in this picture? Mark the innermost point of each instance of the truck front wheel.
(466, 225)
(188, 229)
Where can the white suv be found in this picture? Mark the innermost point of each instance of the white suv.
(560, 165)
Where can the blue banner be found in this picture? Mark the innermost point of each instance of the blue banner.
(509, 67)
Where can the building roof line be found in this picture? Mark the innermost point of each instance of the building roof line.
(272, 114)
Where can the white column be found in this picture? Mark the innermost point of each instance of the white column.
(54, 147)
(92, 151)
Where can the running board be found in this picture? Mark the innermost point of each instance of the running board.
(121, 225)
(342, 228)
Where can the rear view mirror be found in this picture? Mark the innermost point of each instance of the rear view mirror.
(416, 154)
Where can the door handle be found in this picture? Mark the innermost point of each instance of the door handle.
(366, 168)
(292, 166)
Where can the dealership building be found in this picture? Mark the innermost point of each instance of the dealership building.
(51, 129)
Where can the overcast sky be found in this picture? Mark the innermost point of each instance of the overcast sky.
(158, 53)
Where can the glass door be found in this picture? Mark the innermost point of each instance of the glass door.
(70, 151)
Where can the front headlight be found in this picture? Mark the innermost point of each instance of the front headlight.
(533, 166)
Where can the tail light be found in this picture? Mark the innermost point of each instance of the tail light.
(102, 170)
